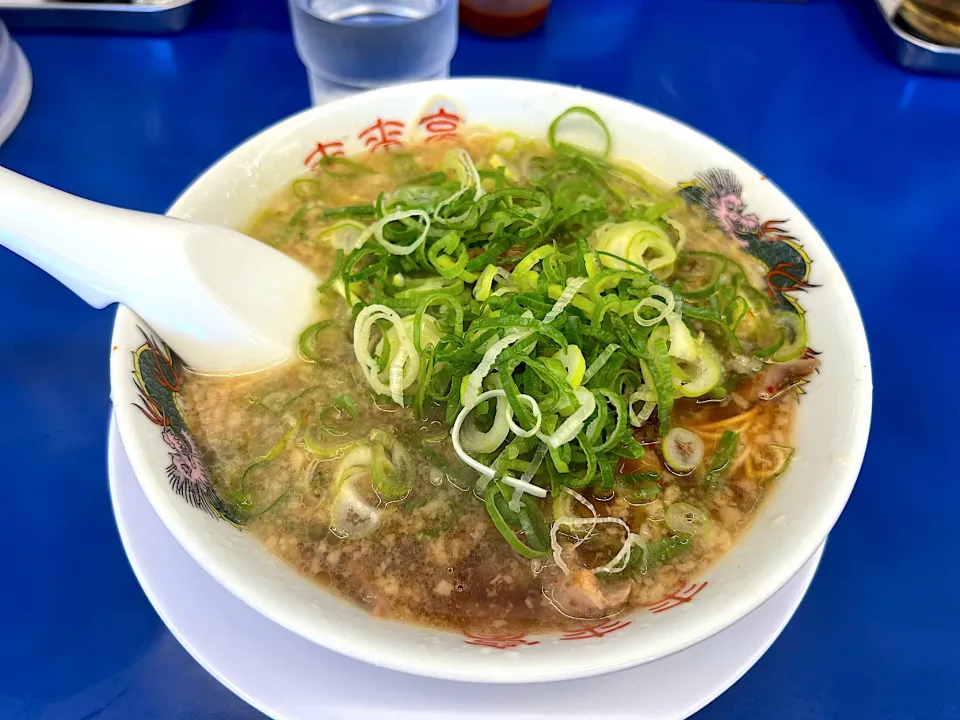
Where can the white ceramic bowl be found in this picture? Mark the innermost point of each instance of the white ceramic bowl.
(832, 428)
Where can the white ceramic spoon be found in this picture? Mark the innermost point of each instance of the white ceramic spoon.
(223, 301)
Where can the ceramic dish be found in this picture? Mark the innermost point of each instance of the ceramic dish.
(832, 425)
(204, 618)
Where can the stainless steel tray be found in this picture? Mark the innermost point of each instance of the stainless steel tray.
(907, 49)
(145, 16)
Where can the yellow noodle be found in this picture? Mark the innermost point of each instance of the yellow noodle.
(727, 422)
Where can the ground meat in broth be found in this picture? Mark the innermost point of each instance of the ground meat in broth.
(436, 558)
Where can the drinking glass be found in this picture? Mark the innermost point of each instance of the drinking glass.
(352, 45)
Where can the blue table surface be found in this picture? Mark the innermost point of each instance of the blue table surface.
(870, 151)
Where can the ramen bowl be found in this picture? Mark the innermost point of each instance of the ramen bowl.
(831, 427)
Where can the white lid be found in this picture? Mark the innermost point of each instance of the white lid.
(16, 84)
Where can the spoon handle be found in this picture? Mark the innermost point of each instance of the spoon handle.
(223, 301)
(99, 252)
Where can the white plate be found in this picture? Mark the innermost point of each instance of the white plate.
(290, 678)
(15, 70)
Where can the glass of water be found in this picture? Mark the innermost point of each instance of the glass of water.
(352, 45)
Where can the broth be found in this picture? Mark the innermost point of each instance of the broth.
(276, 444)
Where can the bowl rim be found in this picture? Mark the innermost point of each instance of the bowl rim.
(763, 588)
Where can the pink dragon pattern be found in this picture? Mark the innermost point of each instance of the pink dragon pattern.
(157, 375)
(719, 194)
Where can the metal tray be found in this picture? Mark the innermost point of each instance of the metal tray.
(142, 16)
(909, 50)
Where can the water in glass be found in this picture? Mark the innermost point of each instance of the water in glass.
(349, 45)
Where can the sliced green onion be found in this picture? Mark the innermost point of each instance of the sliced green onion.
(484, 284)
(572, 426)
(628, 448)
(385, 477)
(722, 456)
(682, 449)
(574, 365)
(420, 318)
(683, 517)
(635, 243)
(655, 212)
(537, 418)
(783, 456)
(404, 368)
(522, 323)
(331, 424)
(666, 549)
(497, 507)
(376, 231)
(640, 491)
(308, 340)
(419, 289)
(476, 441)
(305, 188)
(795, 336)
(620, 430)
(292, 225)
(566, 297)
(350, 211)
(327, 450)
(660, 300)
(586, 112)
(334, 274)
(466, 171)
(527, 263)
(241, 495)
(341, 167)
(486, 364)
(486, 470)
(598, 364)
(706, 269)
(440, 255)
(705, 375)
(659, 370)
(545, 322)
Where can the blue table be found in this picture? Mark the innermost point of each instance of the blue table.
(801, 90)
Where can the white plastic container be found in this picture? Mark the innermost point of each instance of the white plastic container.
(16, 83)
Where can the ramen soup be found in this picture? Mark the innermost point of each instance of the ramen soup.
(541, 389)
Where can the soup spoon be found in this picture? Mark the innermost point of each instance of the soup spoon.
(224, 302)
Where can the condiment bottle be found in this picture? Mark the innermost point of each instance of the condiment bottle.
(503, 18)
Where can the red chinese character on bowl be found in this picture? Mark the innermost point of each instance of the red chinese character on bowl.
(331, 149)
(382, 134)
(595, 631)
(678, 597)
(504, 641)
(440, 125)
